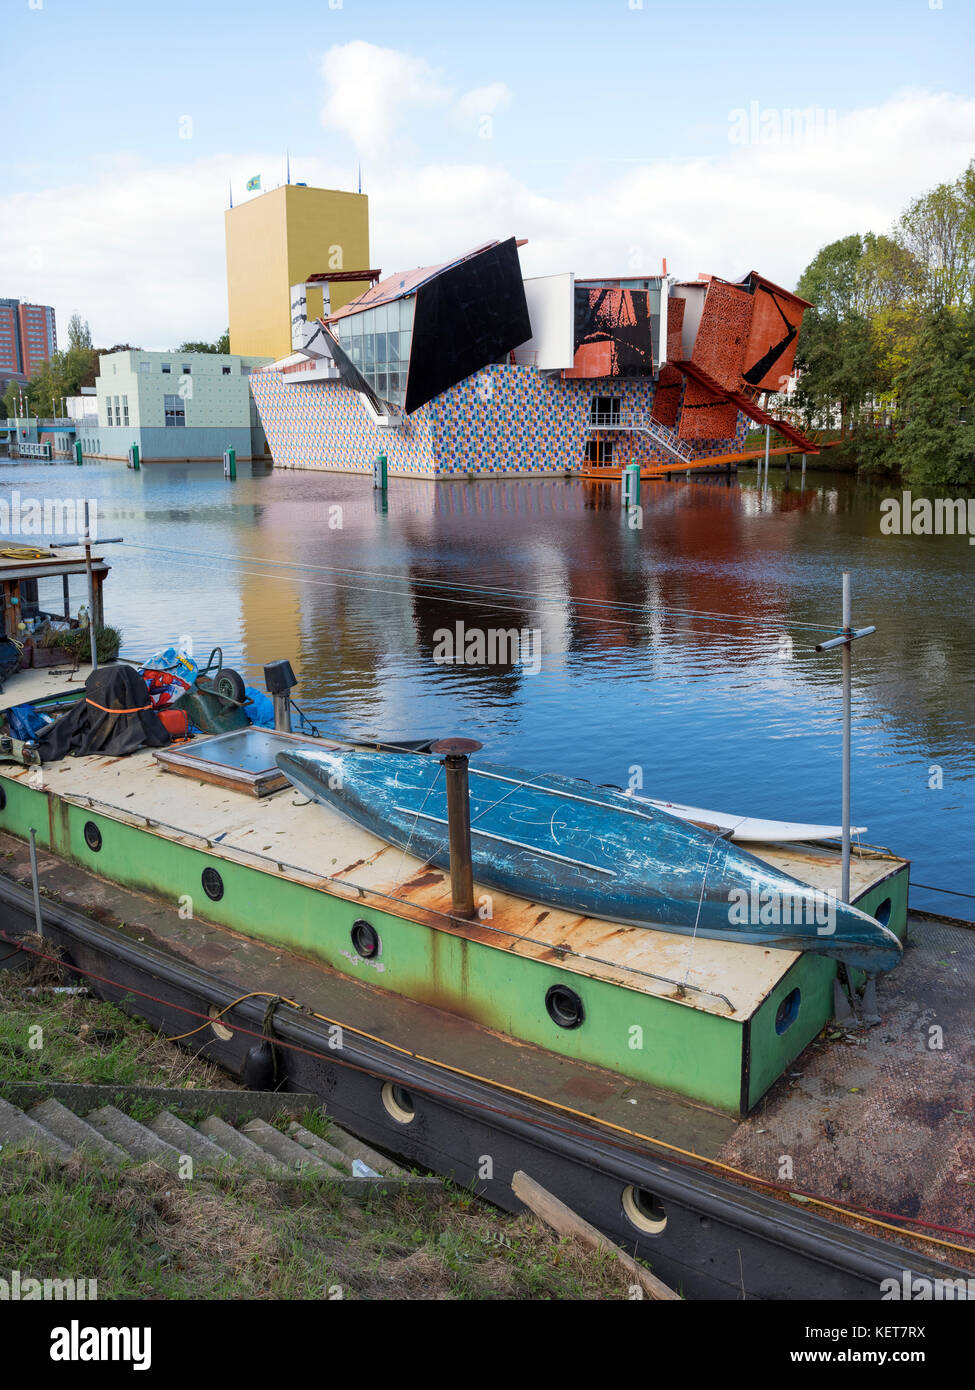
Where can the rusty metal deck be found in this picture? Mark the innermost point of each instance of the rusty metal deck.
(885, 1116)
(313, 844)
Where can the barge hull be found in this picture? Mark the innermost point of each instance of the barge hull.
(719, 1241)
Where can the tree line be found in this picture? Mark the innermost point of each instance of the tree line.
(887, 351)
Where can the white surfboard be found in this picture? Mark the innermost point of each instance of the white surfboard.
(751, 829)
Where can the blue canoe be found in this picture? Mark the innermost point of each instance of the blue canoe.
(590, 850)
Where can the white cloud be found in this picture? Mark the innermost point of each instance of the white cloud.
(371, 89)
(139, 250)
(484, 101)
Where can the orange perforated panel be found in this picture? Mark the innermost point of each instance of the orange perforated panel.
(719, 348)
(771, 348)
(675, 327)
(703, 416)
(666, 401)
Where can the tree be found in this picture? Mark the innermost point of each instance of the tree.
(835, 354)
(935, 447)
(938, 230)
(79, 334)
(889, 293)
(222, 345)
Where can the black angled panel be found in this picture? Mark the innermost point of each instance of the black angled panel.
(467, 317)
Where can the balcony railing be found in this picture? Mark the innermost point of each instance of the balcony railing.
(637, 423)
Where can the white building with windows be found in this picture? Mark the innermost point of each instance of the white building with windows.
(178, 407)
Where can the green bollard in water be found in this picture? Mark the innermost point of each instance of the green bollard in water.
(230, 463)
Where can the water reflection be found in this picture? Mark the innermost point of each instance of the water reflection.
(733, 711)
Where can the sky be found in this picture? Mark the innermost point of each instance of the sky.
(610, 134)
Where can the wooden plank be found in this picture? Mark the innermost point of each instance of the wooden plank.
(564, 1220)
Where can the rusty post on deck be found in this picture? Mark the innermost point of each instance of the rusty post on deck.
(455, 753)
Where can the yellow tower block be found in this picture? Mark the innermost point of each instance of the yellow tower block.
(280, 239)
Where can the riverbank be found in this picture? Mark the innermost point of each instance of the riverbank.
(141, 1233)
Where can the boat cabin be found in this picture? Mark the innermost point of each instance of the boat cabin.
(29, 591)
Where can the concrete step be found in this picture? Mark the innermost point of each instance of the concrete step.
(249, 1154)
(138, 1142)
(18, 1128)
(354, 1148)
(75, 1131)
(187, 1140)
(289, 1153)
(334, 1157)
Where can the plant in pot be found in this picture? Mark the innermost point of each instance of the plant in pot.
(74, 644)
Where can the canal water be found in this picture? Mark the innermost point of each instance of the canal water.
(679, 654)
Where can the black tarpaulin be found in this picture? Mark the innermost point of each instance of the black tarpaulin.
(115, 717)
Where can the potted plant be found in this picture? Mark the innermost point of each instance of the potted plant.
(74, 644)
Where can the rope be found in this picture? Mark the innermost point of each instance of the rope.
(955, 892)
(105, 710)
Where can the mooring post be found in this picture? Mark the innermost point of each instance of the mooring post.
(630, 478)
(455, 754)
(35, 884)
(380, 472)
(79, 453)
(230, 463)
(768, 441)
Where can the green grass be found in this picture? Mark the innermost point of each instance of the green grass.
(73, 1038)
(144, 1234)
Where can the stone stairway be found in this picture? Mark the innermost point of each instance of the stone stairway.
(106, 1134)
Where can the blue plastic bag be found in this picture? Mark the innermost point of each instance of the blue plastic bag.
(25, 722)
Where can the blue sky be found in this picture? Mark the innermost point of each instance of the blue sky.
(607, 133)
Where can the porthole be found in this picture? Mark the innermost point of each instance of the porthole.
(883, 912)
(398, 1103)
(644, 1211)
(788, 1011)
(564, 1006)
(212, 884)
(220, 1029)
(365, 939)
(93, 836)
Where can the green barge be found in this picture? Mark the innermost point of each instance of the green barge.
(716, 1022)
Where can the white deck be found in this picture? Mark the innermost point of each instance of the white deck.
(308, 842)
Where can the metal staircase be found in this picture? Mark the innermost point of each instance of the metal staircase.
(633, 423)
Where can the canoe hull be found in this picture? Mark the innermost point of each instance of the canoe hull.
(592, 851)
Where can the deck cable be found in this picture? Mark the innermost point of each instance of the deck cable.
(867, 1214)
(930, 888)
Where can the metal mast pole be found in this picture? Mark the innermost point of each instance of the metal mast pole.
(91, 591)
(844, 639)
(847, 714)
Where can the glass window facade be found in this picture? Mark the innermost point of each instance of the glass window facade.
(377, 342)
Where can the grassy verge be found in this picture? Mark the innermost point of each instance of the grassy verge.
(71, 1037)
(141, 1233)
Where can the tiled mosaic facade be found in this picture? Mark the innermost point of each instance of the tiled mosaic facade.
(502, 420)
